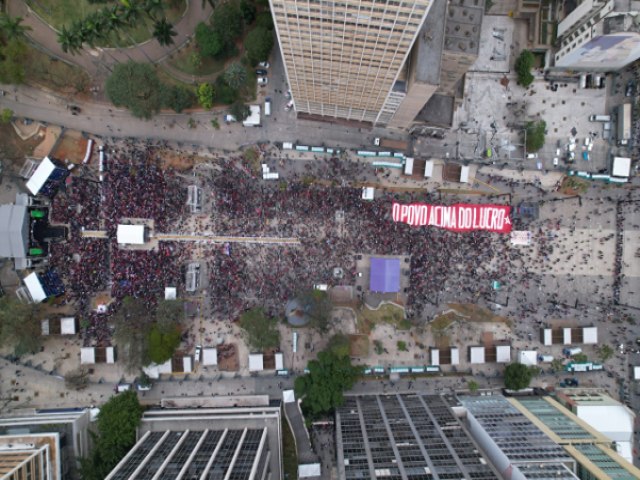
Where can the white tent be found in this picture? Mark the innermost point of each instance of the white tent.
(428, 169)
(40, 176)
(503, 353)
(408, 166)
(209, 356)
(279, 361)
(464, 174)
(435, 356)
(68, 326)
(636, 373)
(154, 370)
(187, 364)
(621, 167)
(130, 234)
(368, 193)
(288, 396)
(476, 355)
(87, 356)
(590, 335)
(170, 293)
(256, 362)
(455, 356)
(32, 282)
(566, 336)
(546, 336)
(528, 357)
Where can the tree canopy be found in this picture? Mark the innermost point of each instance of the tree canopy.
(317, 306)
(322, 388)
(208, 40)
(227, 20)
(135, 86)
(258, 44)
(177, 98)
(517, 376)
(206, 95)
(117, 423)
(339, 345)
(535, 135)
(523, 66)
(239, 110)
(162, 343)
(19, 326)
(235, 75)
(261, 330)
(132, 323)
(12, 56)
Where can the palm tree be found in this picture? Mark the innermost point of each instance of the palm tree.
(12, 27)
(69, 40)
(151, 7)
(131, 11)
(163, 32)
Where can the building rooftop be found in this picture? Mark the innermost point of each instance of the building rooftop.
(429, 44)
(463, 22)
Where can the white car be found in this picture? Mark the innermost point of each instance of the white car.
(198, 353)
(262, 81)
(289, 105)
(264, 65)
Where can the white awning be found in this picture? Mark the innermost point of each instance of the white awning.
(435, 356)
(428, 169)
(111, 354)
(40, 176)
(455, 356)
(528, 357)
(32, 282)
(408, 166)
(464, 174)
(368, 193)
(279, 361)
(87, 355)
(256, 363)
(590, 335)
(130, 234)
(209, 356)
(476, 355)
(566, 336)
(68, 326)
(636, 373)
(503, 354)
(621, 167)
(187, 364)
(170, 293)
(546, 337)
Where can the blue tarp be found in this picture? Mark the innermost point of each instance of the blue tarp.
(385, 275)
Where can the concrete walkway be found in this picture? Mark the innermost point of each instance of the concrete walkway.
(93, 60)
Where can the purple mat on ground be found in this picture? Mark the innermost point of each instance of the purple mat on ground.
(385, 275)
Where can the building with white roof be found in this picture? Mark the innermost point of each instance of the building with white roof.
(40, 176)
(59, 326)
(476, 355)
(209, 356)
(528, 357)
(256, 362)
(621, 167)
(35, 288)
(130, 234)
(93, 355)
(503, 353)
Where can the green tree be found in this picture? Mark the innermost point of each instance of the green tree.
(265, 20)
(579, 358)
(77, 379)
(402, 346)
(19, 326)
(208, 40)
(258, 44)
(321, 390)
(12, 57)
(227, 21)
(517, 376)
(153, 8)
(132, 323)
(339, 345)
(135, 86)
(206, 95)
(69, 40)
(12, 28)
(169, 314)
(224, 93)
(239, 110)
(235, 75)
(260, 330)
(177, 98)
(535, 132)
(117, 422)
(473, 386)
(605, 352)
(195, 60)
(523, 66)
(164, 32)
(317, 306)
(556, 365)
(6, 115)
(248, 9)
(162, 343)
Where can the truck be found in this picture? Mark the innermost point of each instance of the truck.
(600, 118)
(545, 358)
(253, 120)
(571, 351)
(399, 145)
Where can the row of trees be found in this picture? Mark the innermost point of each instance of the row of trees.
(96, 27)
(137, 87)
(143, 337)
(12, 49)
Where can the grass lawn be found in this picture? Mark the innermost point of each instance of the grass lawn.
(474, 313)
(387, 313)
(209, 66)
(54, 74)
(64, 12)
(289, 454)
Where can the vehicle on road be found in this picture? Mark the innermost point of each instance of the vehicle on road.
(599, 118)
(267, 107)
(289, 105)
(262, 81)
(630, 91)
(264, 64)
(260, 71)
(399, 145)
(229, 118)
(569, 382)
(198, 353)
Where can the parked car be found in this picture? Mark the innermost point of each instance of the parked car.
(262, 81)
(260, 71)
(198, 353)
(287, 94)
(289, 105)
(264, 65)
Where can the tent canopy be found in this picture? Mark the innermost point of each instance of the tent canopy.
(14, 231)
(621, 167)
(130, 234)
(32, 282)
(385, 275)
(40, 176)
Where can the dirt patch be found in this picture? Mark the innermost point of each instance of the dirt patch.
(388, 313)
(475, 313)
(228, 358)
(13, 149)
(51, 135)
(359, 345)
(442, 322)
(72, 146)
(179, 161)
(573, 186)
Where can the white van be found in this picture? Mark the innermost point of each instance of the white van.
(267, 107)
(599, 118)
(531, 156)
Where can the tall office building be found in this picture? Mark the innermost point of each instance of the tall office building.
(344, 59)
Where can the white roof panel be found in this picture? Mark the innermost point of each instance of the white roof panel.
(87, 355)
(503, 353)
(279, 361)
(40, 176)
(435, 356)
(566, 336)
(14, 231)
(428, 168)
(528, 357)
(68, 326)
(130, 234)
(170, 293)
(288, 396)
(636, 373)
(621, 167)
(590, 335)
(614, 421)
(464, 174)
(32, 282)
(309, 470)
(209, 356)
(256, 362)
(546, 336)
(187, 364)
(476, 355)
(408, 166)
(368, 193)
(455, 356)
(111, 357)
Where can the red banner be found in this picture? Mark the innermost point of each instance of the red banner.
(458, 218)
